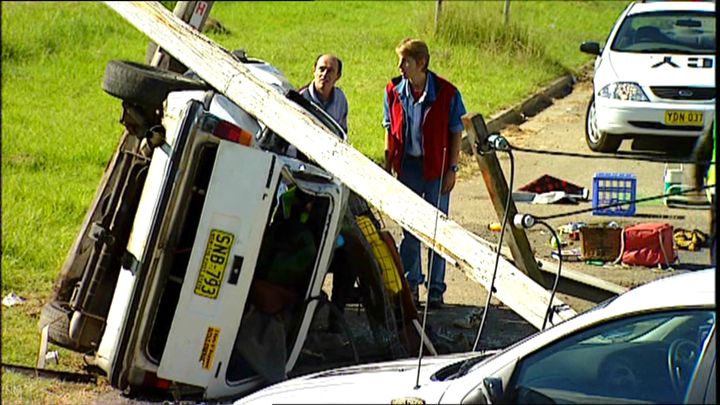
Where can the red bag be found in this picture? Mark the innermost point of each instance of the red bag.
(648, 245)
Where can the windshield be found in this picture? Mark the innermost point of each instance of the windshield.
(679, 32)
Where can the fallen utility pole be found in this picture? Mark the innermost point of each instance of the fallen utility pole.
(218, 68)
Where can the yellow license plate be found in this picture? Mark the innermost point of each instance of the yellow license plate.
(684, 118)
(214, 262)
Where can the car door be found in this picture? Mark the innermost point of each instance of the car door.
(702, 384)
(220, 268)
(650, 357)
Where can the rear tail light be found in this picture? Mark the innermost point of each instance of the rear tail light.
(151, 380)
(226, 130)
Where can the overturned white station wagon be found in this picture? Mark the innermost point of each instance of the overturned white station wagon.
(185, 232)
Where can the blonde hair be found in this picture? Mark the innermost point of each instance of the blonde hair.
(415, 49)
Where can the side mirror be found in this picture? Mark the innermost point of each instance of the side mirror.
(494, 388)
(592, 48)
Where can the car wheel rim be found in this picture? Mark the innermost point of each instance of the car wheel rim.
(592, 131)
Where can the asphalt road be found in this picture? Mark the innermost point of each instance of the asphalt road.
(561, 128)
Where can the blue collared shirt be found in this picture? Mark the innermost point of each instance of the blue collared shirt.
(336, 106)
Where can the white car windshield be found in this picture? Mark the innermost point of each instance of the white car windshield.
(678, 32)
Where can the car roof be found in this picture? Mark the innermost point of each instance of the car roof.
(645, 7)
(694, 288)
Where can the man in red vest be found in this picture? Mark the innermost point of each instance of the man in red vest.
(422, 117)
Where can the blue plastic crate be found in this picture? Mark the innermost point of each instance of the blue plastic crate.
(613, 188)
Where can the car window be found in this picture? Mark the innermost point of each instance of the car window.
(681, 32)
(648, 358)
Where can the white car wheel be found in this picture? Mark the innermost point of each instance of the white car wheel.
(596, 140)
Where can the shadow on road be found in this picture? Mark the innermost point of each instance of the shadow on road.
(452, 329)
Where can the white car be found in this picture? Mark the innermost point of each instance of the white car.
(655, 77)
(181, 245)
(653, 344)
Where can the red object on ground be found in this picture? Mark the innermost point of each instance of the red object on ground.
(648, 245)
(547, 183)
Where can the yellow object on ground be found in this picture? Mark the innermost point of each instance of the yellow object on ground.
(689, 240)
(382, 253)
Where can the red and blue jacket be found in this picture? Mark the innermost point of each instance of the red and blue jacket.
(442, 112)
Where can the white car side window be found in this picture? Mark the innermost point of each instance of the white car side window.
(643, 358)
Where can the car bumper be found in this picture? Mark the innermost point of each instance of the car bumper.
(648, 118)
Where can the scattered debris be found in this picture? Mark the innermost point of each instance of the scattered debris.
(554, 242)
(610, 189)
(313, 354)
(556, 197)
(455, 341)
(550, 190)
(52, 357)
(570, 255)
(470, 321)
(690, 239)
(572, 230)
(523, 196)
(601, 242)
(649, 245)
(547, 183)
(12, 299)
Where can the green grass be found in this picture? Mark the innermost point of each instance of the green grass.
(59, 128)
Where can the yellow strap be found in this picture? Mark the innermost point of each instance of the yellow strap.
(382, 254)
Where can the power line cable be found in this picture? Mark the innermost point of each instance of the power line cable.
(430, 269)
(637, 200)
(500, 241)
(613, 156)
(527, 221)
(549, 311)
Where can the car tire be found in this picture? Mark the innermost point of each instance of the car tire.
(375, 300)
(56, 315)
(596, 140)
(143, 84)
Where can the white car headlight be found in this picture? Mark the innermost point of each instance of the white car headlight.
(623, 91)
